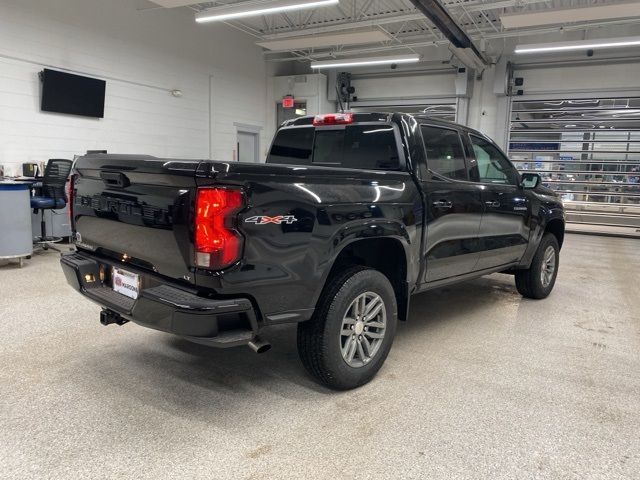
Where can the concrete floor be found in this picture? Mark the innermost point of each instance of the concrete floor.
(479, 384)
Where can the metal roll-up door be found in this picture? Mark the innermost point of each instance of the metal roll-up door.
(588, 150)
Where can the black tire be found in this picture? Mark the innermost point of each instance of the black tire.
(529, 282)
(319, 340)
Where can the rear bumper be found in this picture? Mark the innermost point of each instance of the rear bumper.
(165, 307)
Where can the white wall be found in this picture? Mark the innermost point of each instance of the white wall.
(405, 87)
(607, 77)
(142, 55)
(488, 112)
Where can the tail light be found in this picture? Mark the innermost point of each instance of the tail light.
(70, 196)
(333, 119)
(217, 243)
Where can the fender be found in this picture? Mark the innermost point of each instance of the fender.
(547, 212)
(368, 230)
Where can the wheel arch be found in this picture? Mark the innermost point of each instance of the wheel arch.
(388, 255)
(555, 226)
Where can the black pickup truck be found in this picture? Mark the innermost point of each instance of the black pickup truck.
(350, 216)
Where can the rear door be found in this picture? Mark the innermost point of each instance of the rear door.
(454, 206)
(504, 231)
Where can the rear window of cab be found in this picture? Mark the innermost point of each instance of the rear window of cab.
(368, 147)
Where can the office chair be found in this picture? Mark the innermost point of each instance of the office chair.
(52, 197)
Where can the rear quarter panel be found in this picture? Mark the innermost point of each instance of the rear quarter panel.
(284, 266)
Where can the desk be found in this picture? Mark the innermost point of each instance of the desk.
(15, 220)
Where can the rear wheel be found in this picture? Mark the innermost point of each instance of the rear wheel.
(538, 280)
(349, 337)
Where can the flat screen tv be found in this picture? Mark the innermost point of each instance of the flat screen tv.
(73, 94)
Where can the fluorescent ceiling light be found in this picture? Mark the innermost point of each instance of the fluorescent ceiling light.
(328, 40)
(568, 15)
(364, 62)
(579, 45)
(254, 8)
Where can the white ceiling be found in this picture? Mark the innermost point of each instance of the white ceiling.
(306, 34)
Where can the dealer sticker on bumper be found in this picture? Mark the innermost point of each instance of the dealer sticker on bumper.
(126, 283)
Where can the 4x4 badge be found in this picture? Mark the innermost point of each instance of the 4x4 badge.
(263, 219)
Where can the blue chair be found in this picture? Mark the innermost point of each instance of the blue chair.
(52, 197)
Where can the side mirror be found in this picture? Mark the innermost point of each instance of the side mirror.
(530, 180)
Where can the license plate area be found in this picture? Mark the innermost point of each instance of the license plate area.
(125, 282)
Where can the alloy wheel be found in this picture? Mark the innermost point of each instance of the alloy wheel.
(363, 327)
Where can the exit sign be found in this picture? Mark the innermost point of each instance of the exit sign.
(288, 102)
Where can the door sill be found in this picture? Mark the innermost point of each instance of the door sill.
(465, 276)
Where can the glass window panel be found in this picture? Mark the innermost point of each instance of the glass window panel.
(444, 152)
(493, 167)
(292, 146)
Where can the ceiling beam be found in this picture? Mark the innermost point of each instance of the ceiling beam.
(440, 17)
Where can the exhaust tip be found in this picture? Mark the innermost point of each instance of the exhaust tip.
(259, 346)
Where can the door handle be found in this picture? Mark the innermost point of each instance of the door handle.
(493, 204)
(442, 204)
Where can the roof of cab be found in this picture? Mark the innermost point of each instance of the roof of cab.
(357, 118)
(380, 117)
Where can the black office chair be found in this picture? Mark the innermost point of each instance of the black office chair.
(52, 197)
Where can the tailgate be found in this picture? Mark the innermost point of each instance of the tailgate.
(136, 208)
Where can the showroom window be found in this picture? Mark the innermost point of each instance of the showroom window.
(493, 167)
(444, 152)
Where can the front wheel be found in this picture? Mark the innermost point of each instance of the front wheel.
(538, 280)
(350, 334)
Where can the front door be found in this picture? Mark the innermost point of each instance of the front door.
(504, 230)
(454, 207)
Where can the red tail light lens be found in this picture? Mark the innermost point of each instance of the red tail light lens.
(70, 198)
(217, 243)
(333, 119)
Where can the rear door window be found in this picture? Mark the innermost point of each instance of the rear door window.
(445, 155)
(371, 147)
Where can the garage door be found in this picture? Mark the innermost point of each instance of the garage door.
(588, 150)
